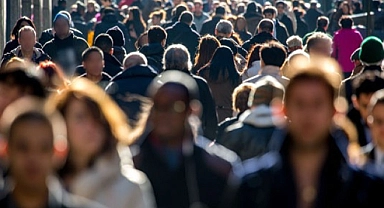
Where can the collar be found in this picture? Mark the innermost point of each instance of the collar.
(270, 70)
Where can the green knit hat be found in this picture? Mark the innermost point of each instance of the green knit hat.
(372, 50)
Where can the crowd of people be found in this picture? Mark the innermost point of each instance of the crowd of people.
(237, 103)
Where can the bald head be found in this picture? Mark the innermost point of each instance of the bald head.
(134, 59)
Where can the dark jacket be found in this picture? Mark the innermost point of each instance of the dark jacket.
(221, 127)
(47, 35)
(103, 83)
(131, 82)
(250, 136)
(253, 20)
(119, 52)
(154, 53)
(81, 25)
(12, 44)
(109, 21)
(269, 182)
(305, 38)
(260, 38)
(288, 23)
(311, 18)
(210, 25)
(302, 27)
(38, 56)
(200, 176)
(371, 165)
(244, 35)
(111, 66)
(67, 52)
(355, 117)
(281, 32)
(185, 35)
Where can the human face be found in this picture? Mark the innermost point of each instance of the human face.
(30, 152)
(269, 16)
(310, 111)
(156, 20)
(345, 9)
(27, 40)
(321, 48)
(94, 64)
(8, 94)
(241, 24)
(90, 7)
(361, 104)
(376, 125)
(198, 8)
(61, 27)
(132, 31)
(86, 135)
(169, 113)
(280, 8)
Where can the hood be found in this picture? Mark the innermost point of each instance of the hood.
(152, 49)
(110, 18)
(260, 116)
(135, 71)
(37, 51)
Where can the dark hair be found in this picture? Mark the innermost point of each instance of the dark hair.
(240, 97)
(156, 34)
(273, 53)
(322, 22)
(176, 12)
(186, 17)
(32, 116)
(116, 35)
(346, 22)
(90, 50)
(207, 46)
(281, 2)
(104, 42)
(367, 83)
(223, 63)
(17, 26)
(265, 25)
(108, 10)
(345, 3)
(295, 3)
(137, 22)
(28, 83)
(254, 54)
(220, 10)
(251, 8)
(270, 9)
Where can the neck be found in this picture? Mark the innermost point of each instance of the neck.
(94, 78)
(312, 149)
(26, 196)
(63, 36)
(198, 13)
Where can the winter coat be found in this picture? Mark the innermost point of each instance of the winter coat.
(154, 53)
(109, 21)
(48, 35)
(345, 42)
(38, 56)
(199, 20)
(67, 53)
(311, 18)
(112, 66)
(185, 35)
(252, 71)
(273, 71)
(132, 82)
(253, 20)
(260, 38)
(222, 90)
(244, 35)
(210, 25)
(202, 175)
(57, 198)
(12, 44)
(288, 24)
(250, 136)
(281, 32)
(114, 182)
(269, 181)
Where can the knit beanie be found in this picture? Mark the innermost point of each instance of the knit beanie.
(372, 51)
(61, 16)
(117, 36)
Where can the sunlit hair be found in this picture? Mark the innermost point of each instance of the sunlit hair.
(101, 106)
(240, 97)
(207, 46)
(50, 71)
(14, 62)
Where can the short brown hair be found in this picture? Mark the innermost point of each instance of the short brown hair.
(240, 97)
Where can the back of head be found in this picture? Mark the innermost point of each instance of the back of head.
(220, 10)
(117, 36)
(104, 42)
(372, 51)
(179, 9)
(367, 83)
(265, 25)
(176, 57)
(265, 91)
(273, 54)
(315, 39)
(322, 22)
(186, 17)
(240, 97)
(294, 41)
(270, 10)
(346, 22)
(133, 59)
(224, 27)
(251, 7)
(156, 34)
(230, 43)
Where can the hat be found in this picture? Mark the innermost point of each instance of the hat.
(372, 51)
(355, 55)
(116, 35)
(61, 16)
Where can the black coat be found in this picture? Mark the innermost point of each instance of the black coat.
(311, 18)
(111, 66)
(131, 82)
(201, 174)
(47, 35)
(355, 117)
(108, 22)
(271, 182)
(38, 56)
(185, 35)
(67, 53)
(154, 53)
(281, 32)
(287, 23)
(12, 44)
(260, 38)
(210, 25)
